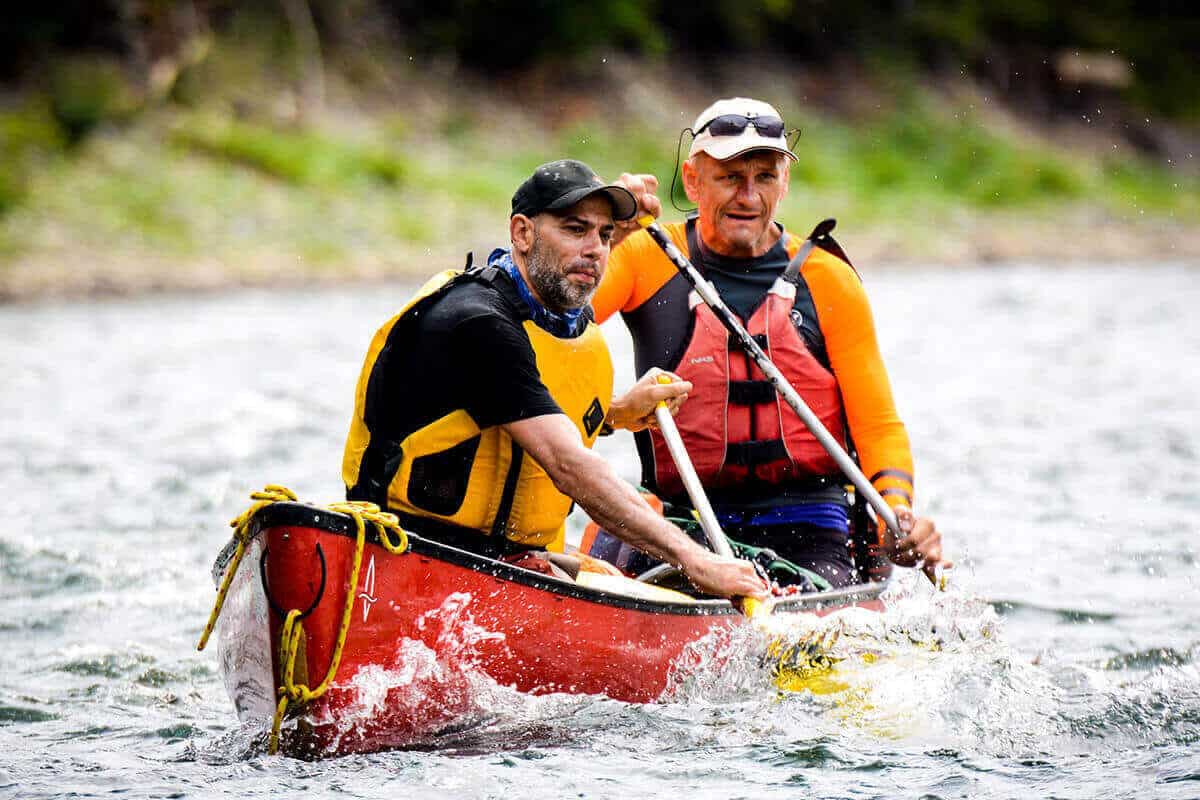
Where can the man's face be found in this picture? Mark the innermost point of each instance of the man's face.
(737, 199)
(569, 252)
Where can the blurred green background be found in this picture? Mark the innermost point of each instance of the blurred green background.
(153, 144)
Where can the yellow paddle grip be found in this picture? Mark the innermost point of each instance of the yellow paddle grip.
(662, 378)
(754, 610)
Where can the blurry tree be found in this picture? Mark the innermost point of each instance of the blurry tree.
(306, 43)
(504, 35)
(1000, 41)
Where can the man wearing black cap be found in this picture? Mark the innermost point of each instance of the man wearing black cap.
(478, 402)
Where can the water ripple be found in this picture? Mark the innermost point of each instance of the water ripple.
(1062, 463)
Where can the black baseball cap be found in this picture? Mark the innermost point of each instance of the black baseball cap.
(561, 184)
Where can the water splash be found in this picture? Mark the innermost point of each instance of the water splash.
(919, 669)
(460, 636)
(420, 692)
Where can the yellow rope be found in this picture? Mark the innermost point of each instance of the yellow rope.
(391, 536)
(386, 524)
(289, 645)
(271, 493)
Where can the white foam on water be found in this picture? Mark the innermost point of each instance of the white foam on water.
(932, 667)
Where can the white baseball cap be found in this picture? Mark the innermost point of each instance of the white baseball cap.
(725, 145)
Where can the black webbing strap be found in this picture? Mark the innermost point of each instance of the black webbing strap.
(751, 393)
(760, 451)
(379, 464)
(823, 229)
(695, 250)
(500, 525)
(792, 273)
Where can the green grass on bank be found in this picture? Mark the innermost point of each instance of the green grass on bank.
(28, 138)
(302, 158)
(189, 184)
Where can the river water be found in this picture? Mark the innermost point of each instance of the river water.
(1054, 419)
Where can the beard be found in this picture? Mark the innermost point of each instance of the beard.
(550, 281)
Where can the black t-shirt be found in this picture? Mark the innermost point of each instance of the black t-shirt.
(741, 282)
(464, 350)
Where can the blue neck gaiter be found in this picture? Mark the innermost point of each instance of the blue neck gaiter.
(563, 325)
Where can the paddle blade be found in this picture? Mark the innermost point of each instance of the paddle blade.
(805, 663)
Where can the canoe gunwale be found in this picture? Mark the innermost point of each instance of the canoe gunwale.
(294, 514)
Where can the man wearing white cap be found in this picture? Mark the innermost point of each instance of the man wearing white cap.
(771, 483)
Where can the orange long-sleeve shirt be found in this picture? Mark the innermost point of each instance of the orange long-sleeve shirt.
(644, 285)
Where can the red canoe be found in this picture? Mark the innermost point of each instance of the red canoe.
(423, 621)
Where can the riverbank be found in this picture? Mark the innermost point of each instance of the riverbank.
(401, 175)
(1076, 237)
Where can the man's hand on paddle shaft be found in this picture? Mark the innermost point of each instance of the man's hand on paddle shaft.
(634, 410)
(921, 545)
(724, 577)
(643, 188)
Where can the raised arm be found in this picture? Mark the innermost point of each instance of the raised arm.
(619, 282)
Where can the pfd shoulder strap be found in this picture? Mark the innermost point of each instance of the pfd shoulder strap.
(804, 305)
(693, 240)
(509, 492)
(492, 276)
(819, 237)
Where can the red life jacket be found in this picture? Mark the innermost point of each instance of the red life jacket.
(734, 422)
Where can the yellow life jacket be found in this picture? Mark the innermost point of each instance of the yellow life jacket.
(453, 473)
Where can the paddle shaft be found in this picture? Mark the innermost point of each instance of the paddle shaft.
(708, 293)
(691, 481)
(752, 608)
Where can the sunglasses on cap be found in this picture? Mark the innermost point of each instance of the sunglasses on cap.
(734, 124)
